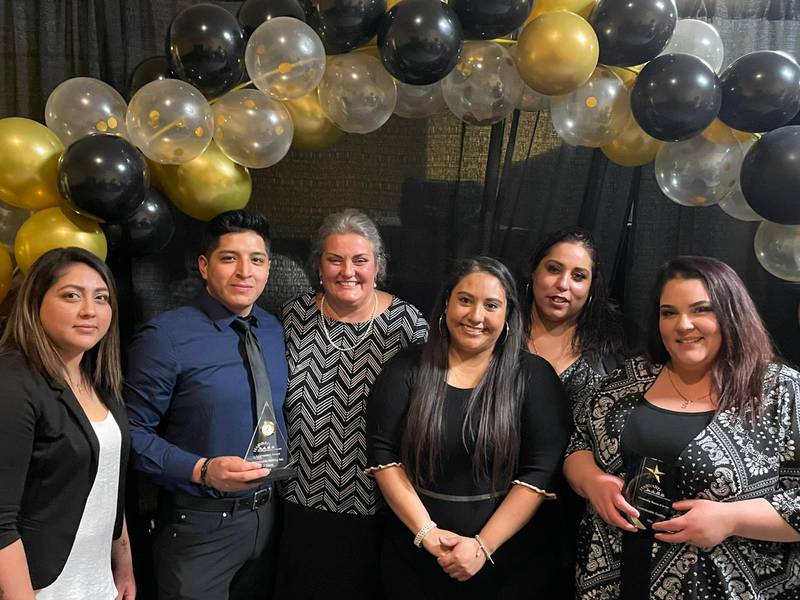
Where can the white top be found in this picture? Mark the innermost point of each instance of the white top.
(87, 572)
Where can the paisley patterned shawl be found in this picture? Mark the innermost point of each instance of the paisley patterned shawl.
(727, 461)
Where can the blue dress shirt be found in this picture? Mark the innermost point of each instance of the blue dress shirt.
(188, 394)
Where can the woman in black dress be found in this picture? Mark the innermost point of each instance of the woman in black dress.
(712, 418)
(464, 437)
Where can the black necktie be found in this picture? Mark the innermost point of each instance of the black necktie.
(262, 393)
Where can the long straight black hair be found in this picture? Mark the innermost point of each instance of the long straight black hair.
(493, 411)
(600, 325)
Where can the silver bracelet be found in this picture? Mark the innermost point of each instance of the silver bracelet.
(484, 548)
(423, 531)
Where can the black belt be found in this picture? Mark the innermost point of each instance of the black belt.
(203, 503)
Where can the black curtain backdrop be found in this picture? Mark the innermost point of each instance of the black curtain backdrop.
(438, 188)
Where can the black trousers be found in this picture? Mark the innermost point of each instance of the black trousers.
(225, 555)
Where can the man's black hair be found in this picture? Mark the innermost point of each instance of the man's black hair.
(234, 221)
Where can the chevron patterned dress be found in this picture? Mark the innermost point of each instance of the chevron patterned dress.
(326, 400)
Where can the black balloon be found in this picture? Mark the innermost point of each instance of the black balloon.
(103, 177)
(205, 47)
(150, 69)
(420, 41)
(760, 91)
(631, 32)
(770, 176)
(149, 229)
(675, 97)
(344, 25)
(253, 13)
(489, 19)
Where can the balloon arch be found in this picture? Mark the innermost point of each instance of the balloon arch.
(236, 93)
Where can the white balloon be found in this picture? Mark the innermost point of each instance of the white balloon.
(170, 121)
(699, 171)
(777, 248)
(82, 106)
(419, 101)
(485, 85)
(699, 39)
(594, 113)
(285, 58)
(357, 93)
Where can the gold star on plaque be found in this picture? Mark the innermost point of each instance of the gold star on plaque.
(655, 473)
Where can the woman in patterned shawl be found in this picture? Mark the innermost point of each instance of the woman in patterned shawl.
(337, 339)
(570, 322)
(709, 426)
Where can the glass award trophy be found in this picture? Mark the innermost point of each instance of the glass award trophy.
(647, 489)
(268, 447)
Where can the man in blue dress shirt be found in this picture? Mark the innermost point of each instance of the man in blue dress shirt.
(191, 408)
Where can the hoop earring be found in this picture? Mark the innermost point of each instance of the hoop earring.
(506, 331)
(442, 330)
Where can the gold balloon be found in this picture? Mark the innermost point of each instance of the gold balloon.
(6, 272)
(557, 53)
(57, 227)
(312, 129)
(633, 147)
(581, 7)
(29, 154)
(207, 185)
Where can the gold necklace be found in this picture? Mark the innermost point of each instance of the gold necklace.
(361, 338)
(686, 400)
(79, 387)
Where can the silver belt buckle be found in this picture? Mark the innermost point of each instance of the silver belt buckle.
(261, 497)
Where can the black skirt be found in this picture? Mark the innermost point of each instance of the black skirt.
(323, 555)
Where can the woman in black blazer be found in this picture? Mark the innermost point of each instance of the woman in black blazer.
(63, 436)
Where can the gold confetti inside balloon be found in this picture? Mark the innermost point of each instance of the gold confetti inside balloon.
(82, 106)
(170, 121)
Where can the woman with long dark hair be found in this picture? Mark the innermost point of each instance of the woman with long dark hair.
(689, 457)
(570, 321)
(63, 436)
(463, 438)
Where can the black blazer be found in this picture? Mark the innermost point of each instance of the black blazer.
(48, 461)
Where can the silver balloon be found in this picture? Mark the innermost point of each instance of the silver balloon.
(419, 101)
(252, 129)
(285, 58)
(736, 206)
(533, 101)
(778, 249)
(357, 93)
(595, 113)
(699, 39)
(699, 171)
(734, 203)
(170, 121)
(11, 218)
(82, 106)
(485, 85)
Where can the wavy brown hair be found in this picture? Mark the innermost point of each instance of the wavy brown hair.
(737, 375)
(24, 331)
(493, 411)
